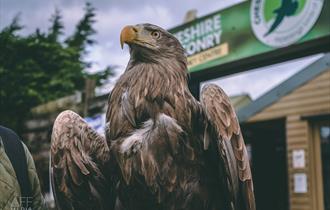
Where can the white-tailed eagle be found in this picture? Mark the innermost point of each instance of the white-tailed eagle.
(163, 149)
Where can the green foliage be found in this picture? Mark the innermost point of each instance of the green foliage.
(39, 67)
(56, 28)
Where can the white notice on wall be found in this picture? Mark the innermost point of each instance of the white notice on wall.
(298, 158)
(300, 183)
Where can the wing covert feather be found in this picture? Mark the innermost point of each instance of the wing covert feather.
(222, 117)
(78, 157)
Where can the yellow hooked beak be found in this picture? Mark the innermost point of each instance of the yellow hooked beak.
(128, 35)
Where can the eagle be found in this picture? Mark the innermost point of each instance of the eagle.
(162, 148)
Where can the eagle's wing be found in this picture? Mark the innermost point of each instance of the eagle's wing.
(79, 159)
(223, 120)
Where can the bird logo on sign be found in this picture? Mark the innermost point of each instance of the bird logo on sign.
(287, 8)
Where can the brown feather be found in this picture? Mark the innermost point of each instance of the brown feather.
(222, 116)
(77, 155)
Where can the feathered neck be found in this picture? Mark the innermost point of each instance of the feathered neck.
(167, 66)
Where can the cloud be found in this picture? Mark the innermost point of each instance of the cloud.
(117, 17)
(29, 18)
(71, 16)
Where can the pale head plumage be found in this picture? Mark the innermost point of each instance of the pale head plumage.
(151, 43)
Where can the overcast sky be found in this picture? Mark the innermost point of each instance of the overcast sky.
(112, 15)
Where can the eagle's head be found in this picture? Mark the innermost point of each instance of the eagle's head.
(151, 43)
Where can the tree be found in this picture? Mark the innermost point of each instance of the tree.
(56, 29)
(37, 68)
(83, 32)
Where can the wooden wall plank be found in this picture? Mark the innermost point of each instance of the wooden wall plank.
(310, 98)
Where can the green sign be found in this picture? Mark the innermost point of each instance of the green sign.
(202, 35)
(251, 28)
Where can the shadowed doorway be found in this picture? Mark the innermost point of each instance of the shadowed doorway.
(266, 145)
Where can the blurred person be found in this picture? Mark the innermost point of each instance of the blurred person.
(19, 183)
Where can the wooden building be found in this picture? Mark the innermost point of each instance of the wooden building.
(288, 129)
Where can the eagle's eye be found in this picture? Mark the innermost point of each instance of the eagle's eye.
(155, 34)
